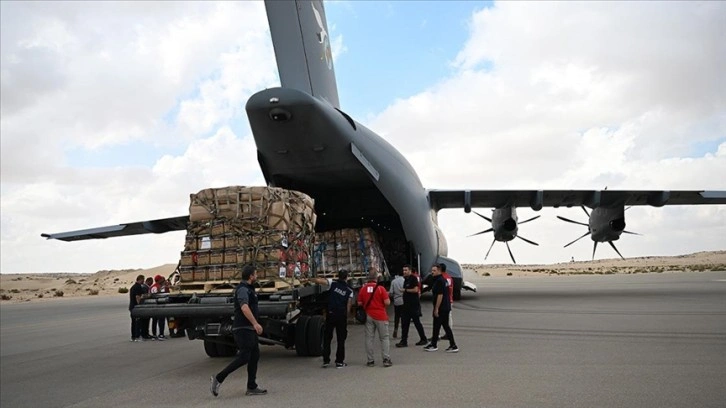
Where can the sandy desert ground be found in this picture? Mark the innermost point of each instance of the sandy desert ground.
(46, 286)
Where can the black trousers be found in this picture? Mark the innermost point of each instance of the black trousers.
(144, 326)
(439, 322)
(409, 314)
(158, 322)
(135, 327)
(339, 324)
(249, 353)
(397, 312)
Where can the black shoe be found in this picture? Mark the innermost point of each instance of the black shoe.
(431, 347)
(387, 362)
(215, 385)
(340, 365)
(452, 349)
(422, 342)
(402, 344)
(326, 365)
(256, 391)
(371, 363)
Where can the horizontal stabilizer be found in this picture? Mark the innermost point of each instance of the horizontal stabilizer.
(134, 228)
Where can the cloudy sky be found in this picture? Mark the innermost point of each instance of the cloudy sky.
(116, 112)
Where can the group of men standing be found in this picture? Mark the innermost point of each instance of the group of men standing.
(140, 326)
(372, 297)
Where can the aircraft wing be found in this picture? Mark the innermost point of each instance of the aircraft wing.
(536, 199)
(133, 228)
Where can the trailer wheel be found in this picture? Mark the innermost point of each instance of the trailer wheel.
(211, 348)
(301, 339)
(226, 350)
(316, 332)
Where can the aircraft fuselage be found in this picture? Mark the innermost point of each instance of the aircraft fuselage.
(356, 178)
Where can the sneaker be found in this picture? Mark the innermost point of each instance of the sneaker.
(422, 342)
(215, 385)
(387, 362)
(371, 363)
(341, 365)
(401, 344)
(160, 338)
(133, 339)
(256, 391)
(452, 349)
(431, 347)
(326, 365)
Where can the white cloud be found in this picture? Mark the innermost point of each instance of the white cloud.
(582, 96)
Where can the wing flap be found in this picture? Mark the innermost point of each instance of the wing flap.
(133, 228)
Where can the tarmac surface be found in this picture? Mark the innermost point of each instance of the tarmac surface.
(646, 340)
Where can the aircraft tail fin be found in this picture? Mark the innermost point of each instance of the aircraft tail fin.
(301, 40)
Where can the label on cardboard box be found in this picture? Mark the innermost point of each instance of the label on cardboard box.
(206, 243)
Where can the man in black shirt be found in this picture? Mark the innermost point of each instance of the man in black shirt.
(135, 294)
(442, 307)
(245, 330)
(339, 304)
(411, 308)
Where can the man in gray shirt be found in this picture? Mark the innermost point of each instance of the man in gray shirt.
(396, 293)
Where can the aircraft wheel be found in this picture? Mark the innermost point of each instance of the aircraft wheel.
(301, 338)
(457, 288)
(316, 331)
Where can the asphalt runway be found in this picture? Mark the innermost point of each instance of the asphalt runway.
(648, 340)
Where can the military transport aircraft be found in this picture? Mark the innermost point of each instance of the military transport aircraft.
(306, 142)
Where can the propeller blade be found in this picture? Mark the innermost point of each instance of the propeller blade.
(582, 236)
(510, 252)
(574, 222)
(593, 250)
(584, 209)
(533, 218)
(632, 233)
(486, 218)
(616, 250)
(490, 248)
(483, 232)
(526, 240)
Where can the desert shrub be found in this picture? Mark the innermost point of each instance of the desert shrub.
(93, 292)
(115, 279)
(5, 297)
(486, 274)
(40, 295)
(58, 293)
(123, 290)
(70, 282)
(509, 273)
(14, 290)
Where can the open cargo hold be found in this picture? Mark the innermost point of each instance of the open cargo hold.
(354, 249)
(230, 227)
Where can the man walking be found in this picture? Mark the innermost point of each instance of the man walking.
(411, 308)
(374, 299)
(442, 306)
(339, 305)
(245, 330)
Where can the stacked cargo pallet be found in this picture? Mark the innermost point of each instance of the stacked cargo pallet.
(356, 250)
(230, 227)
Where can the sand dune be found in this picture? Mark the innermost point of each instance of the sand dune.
(45, 286)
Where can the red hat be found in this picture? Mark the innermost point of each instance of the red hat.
(158, 278)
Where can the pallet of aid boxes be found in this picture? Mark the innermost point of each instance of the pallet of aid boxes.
(354, 249)
(271, 228)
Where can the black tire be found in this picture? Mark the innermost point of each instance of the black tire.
(226, 350)
(211, 348)
(301, 338)
(458, 282)
(316, 332)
